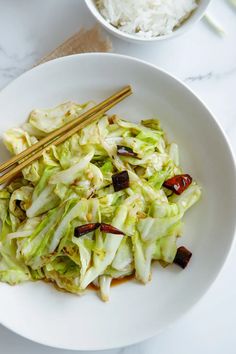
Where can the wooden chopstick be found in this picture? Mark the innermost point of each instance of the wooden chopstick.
(110, 102)
(44, 141)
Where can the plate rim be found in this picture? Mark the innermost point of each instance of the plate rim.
(154, 332)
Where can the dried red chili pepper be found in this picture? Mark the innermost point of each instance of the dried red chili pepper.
(120, 181)
(85, 229)
(178, 183)
(125, 151)
(182, 257)
(110, 229)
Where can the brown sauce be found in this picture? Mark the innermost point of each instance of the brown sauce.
(114, 282)
(120, 281)
(93, 287)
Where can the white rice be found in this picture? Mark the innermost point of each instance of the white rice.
(146, 18)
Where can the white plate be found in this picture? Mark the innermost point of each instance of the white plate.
(39, 312)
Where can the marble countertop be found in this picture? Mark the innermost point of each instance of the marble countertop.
(202, 59)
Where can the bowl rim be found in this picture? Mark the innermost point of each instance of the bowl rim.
(195, 16)
(231, 243)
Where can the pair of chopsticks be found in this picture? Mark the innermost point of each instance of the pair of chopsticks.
(59, 135)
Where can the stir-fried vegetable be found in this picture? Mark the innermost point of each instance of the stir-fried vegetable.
(98, 207)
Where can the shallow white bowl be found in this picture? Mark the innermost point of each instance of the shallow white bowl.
(41, 313)
(187, 25)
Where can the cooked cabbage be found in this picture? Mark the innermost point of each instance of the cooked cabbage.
(71, 185)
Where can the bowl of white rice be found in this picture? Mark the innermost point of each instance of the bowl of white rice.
(147, 20)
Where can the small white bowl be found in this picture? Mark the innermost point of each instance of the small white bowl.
(194, 17)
